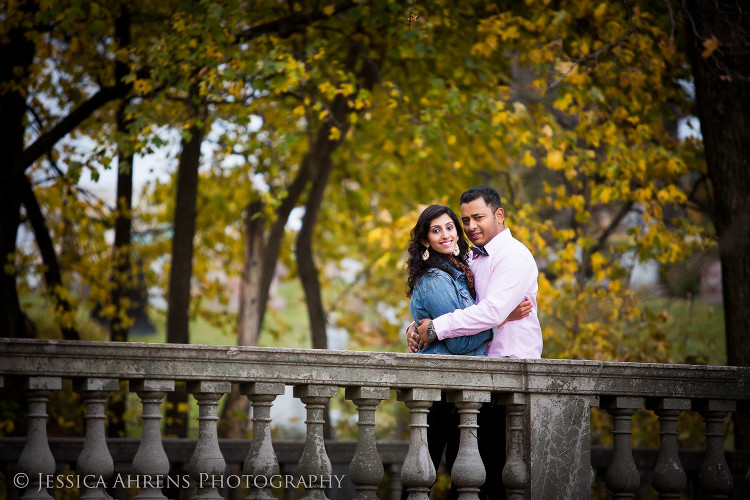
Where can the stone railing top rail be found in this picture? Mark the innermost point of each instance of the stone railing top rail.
(185, 362)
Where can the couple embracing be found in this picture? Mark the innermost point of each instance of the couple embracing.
(476, 301)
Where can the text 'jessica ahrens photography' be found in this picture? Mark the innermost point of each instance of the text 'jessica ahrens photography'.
(204, 480)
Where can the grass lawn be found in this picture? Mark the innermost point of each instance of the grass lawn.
(696, 333)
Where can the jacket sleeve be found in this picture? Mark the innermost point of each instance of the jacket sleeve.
(437, 296)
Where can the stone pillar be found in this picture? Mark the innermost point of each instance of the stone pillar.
(207, 465)
(468, 473)
(261, 458)
(150, 463)
(417, 472)
(669, 477)
(715, 477)
(622, 476)
(36, 458)
(515, 472)
(95, 459)
(366, 469)
(314, 462)
(559, 437)
(394, 473)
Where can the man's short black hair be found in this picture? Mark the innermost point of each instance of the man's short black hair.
(488, 194)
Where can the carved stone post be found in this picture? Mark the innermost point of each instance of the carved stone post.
(715, 477)
(468, 472)
(314, 462)
(95, 459)
(418, 473)
(366, 470)
(622, 477)
(261, 458)
(207, 465)
(394, 472)
(515, 472)
(36, 458)
(150, 463)
(669, 477)
(558, 433)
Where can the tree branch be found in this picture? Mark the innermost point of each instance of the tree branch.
(47, 140)
(287, 26)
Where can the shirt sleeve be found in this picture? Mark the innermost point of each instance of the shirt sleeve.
(511, 278)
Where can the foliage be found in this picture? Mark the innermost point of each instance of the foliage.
(568, 108)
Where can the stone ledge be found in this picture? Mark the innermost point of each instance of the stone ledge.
(130, 360)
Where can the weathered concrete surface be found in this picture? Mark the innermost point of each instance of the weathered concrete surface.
(131, 360)
(560, 446)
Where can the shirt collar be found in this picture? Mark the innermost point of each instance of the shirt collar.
(495, 243)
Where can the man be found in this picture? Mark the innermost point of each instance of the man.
(505, 274)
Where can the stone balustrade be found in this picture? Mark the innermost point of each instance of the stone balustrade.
(547, 402)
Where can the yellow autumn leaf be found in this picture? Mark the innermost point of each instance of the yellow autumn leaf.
(528, 159)
(597, 261)
(328, 10)
(709, 46)
(374, 235)
(555, 159)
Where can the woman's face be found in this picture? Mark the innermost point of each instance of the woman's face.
(442, 235)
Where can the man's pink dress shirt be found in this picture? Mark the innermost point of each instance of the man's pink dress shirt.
(502, 279)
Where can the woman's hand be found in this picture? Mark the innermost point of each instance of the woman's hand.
(521, 311)
(412, 338)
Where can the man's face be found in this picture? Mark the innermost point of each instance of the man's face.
(480, 223)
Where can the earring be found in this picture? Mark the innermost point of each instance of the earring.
(456, 250)
(426, 254)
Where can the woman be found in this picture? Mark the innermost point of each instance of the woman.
(440, 280)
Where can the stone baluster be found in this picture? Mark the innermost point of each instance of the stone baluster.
(515, 472)
(622, 477)
(207, 465)
(261, 458)
(366, 469)
(669, 477)
(714, 477)
(394, 473)
(150, 464)
(417, 472)
(314, 465)
(468, 472)
(95, 460)
(36, 460)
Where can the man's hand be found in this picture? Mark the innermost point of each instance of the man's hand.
(521, 311)
(422, 337)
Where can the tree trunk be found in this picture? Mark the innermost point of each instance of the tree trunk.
(308, 272)
(16, 55)
(52, 274)
(276, 237)
(722, 91)
(182, 266)
(235, 421)
(122, 269)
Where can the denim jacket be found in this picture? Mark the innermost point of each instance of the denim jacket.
(438, 292)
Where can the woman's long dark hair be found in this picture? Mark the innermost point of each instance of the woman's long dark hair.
(415, 266)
